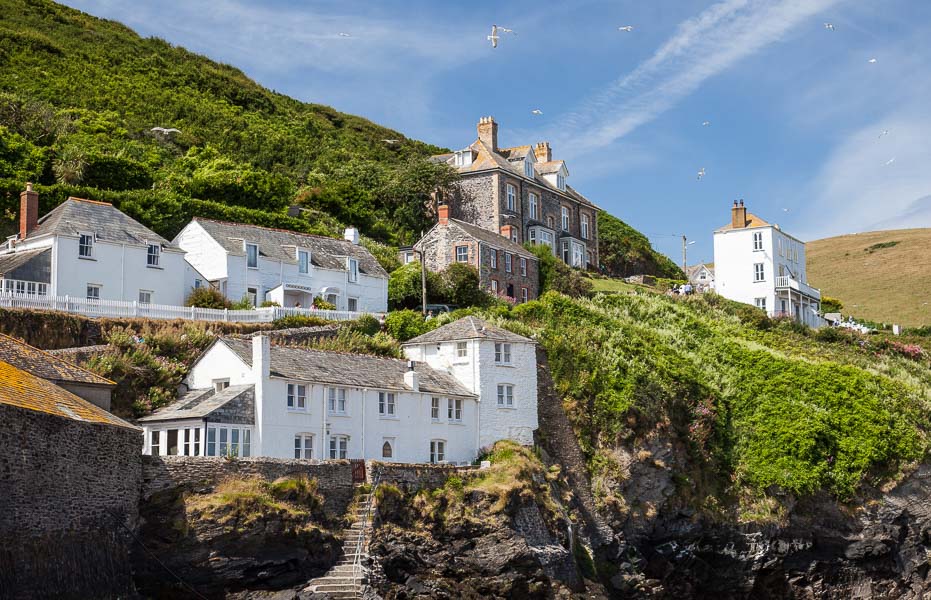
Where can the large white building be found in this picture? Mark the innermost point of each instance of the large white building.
(757, 263)
(88, 249)
(465, 386)
(286, 267)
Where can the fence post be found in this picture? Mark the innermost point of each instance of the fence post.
(192, 313)
(135, 308)
(67, 303)
(226, 315)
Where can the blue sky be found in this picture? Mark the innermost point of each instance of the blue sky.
(796, 110)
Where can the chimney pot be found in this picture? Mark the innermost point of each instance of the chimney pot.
(542, 152)
(351, 235)
(28, 211)
(442, 212)
(738, 215)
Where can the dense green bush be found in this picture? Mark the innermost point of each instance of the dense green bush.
(207, 297)
(405, 324)
(460, 283)
(625, 251)
(366, 324)
(405, 287)
(557, 276)
(831, 305)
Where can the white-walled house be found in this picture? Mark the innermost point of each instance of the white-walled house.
(757, 263)
(286, 267)
(89, 249)
(251, 398)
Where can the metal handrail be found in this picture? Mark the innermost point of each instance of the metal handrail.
(357, 558)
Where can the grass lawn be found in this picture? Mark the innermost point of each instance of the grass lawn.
(607, 284)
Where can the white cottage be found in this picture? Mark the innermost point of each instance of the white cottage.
(286, 267)
(89, 249)
(249, 398)
(757, 263)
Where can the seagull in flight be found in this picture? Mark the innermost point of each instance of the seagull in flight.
(701, 173)
(493, 38)
(872, 61)
(885, 132)
(627, 28)
(392, 142)
(343, 34)
(165, 131)
(506, 30)
(829, 26)
(705, 123)
(536, 111)
(890, 161)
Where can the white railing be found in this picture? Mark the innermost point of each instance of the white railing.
(786, 282)
(119, 308)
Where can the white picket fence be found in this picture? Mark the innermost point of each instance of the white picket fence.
(118, 308)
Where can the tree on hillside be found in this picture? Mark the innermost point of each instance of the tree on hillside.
(625, 251)
(555, 275)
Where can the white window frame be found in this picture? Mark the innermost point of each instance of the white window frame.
(155, 445)
(248, 256)
(352, 304)
(561, 181)
(454, 410)
(190, 441)
(759, 272)
(533, 205)
(220, 439)
(757, 241)
(462, 254)
(505, 395)
(494, 258)
(508, 260)
(145, 296)
(584, 231)
(435, 409)
(511, 196)
(564, 217)
(304, 446)
(494, 286)
(353, 268)
(523, 266)
(528, 168)
(523, 294)
(437, 451)
(336, 400)
(338, 447)
(502, 353)
(387, 405)
(462, 349)
(253, 294)
(760, 303)
(296, 397)
(220, 384)
(303, 262)
(153, 256)
(86, 242)
(95, 288)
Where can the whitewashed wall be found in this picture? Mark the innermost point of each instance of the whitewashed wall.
(203, 252)
(219, 362)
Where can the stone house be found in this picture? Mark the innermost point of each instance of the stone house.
(505, 267)
(758, 263)
(70, 475)
(287, 267)
(521, 193)
(81, 382)
(464, 386)
(90, 250)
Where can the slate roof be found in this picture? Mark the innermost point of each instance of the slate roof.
(493, 239)
(486, 158)
(76, 215)
(12, 261)
(280, 244)
(352, 370)
(694, 270)
(469, 328)
(198, 404)
(42, 364)
(24, 390)
(752, 221)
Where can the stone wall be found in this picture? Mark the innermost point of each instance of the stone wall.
(202, 473)
(414, 476)
(69, 492)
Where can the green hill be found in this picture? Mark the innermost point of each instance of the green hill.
(883, 276)
(79, 97)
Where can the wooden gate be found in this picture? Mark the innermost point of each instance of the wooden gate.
(358, 470)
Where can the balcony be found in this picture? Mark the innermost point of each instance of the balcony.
(787, 283)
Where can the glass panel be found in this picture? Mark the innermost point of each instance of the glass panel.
(172, 442)
(234, 442)
(197, 442)
(246, 449)
(212, 441)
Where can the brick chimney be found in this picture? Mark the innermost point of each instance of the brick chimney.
(488, 132)
(738, 215)
(507, 231)
(28, 211)
(442, 211)
(542, 152)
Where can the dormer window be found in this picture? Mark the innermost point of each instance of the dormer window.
(528, 168)
(86, 245)
(464, 158)
(252, 256)
(561, 181)
(303, 262)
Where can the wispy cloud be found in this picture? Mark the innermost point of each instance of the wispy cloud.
(701, 47)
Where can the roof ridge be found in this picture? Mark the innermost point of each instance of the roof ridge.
(278, 229)
(327, 351)
(101, 202)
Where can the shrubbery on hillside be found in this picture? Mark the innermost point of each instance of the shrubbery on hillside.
(625, 251)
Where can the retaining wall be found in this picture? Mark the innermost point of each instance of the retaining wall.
(414, 476)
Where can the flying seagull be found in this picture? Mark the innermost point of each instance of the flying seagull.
(890, 161)
(493, 38)
(829, 26)
(391, 141)
(701, 173)
(885, 131)
(872, 61)
(705, 123)
(343, 34)
(164, 131)
(506, 30)
(536, 111)
(627, 28)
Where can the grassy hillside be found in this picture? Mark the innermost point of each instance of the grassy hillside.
(883, 276)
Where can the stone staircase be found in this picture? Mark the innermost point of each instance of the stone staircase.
(348, 578)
